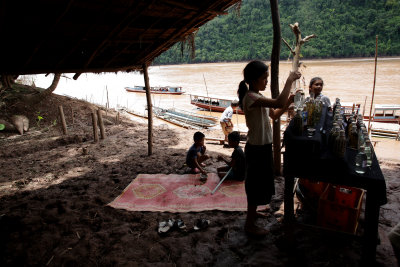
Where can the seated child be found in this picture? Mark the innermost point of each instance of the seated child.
(237, 163)
(197, 154)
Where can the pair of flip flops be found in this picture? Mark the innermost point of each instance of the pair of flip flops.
(171, 224)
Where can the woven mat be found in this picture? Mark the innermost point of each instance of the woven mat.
(180, 193)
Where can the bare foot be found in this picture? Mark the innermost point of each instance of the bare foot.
(255, 231)
(261, 215)
(202, 164)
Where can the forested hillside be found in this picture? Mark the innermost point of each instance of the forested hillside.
(345, 28)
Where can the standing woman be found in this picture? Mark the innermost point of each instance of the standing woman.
(315, 87)
(259, 181)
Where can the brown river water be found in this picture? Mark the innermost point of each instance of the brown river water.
(351, 80)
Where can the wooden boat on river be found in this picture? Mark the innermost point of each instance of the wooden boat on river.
(185, 118)
(386, 113)
(213, 103)
(169, 90)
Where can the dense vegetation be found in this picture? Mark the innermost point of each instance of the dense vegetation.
(345, 28)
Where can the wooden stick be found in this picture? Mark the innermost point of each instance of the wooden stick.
(72, 115)
(288, 46)
(149, 110)
(63, 123)
(373, 88)
(222, 180)
(365, 103)
(101, 124)
(108, 104)
(95, 130)
(117, 118)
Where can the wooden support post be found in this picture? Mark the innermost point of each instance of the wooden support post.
(95, 130)
(63, 123)
(276, 49)
(117, 118)
(101, 124)
(373, 88)
(149, 110)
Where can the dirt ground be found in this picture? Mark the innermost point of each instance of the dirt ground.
(54, 190)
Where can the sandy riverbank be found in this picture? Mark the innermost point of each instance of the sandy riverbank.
(53, 203)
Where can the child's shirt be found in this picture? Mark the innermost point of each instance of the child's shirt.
(239, 168)
(257, 120)
(192, 154)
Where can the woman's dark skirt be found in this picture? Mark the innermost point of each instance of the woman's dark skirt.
(259, 183)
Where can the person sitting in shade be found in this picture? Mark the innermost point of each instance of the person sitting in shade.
(237, 162)
(226, 119)
(196, 154)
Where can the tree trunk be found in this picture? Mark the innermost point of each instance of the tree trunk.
(149, 110)
(52, 87)
(276, 49)
(6, 81)
(36, 98)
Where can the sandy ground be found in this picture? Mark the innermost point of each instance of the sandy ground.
(53, 200)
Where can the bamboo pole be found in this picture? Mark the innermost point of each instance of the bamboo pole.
(149, 110)
(95, 130)
(63, 123)
(373, 88)
(209, 99)
(276, 49)
(101, 124)
(365, 103)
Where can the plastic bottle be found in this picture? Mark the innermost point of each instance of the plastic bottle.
(361, 161)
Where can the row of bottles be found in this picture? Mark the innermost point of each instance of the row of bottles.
(307, 112)
(357, 138)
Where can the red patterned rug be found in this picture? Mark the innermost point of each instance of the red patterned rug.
(180, 193)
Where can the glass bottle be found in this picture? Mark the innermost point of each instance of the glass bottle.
(298, 123)
(304, 114)
(361, 161)
(353, 139)
(340, 145)
(349, 125)
(368, 152)
(334, 135)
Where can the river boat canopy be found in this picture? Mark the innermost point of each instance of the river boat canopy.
(388, 113)
(213, 102)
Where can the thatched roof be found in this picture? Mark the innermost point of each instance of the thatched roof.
(67, 36)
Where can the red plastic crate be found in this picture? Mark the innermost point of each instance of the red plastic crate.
(339, 208)
(313, 189)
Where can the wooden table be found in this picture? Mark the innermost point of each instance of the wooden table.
(309, 158)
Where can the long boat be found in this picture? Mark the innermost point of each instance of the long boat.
(213, 103)
(184, 119)
(170, 90)
(387, 113)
